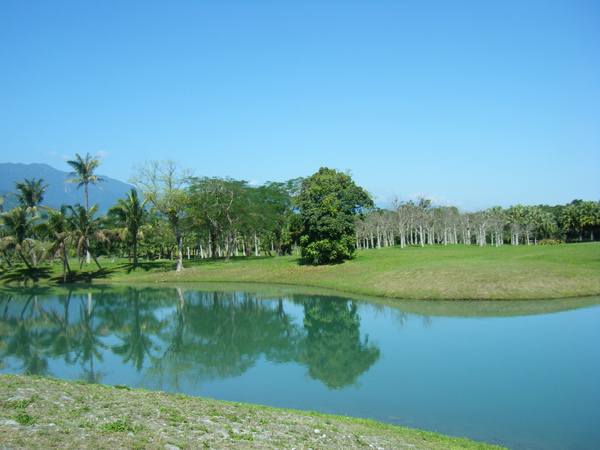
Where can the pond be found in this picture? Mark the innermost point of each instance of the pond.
(524, 375)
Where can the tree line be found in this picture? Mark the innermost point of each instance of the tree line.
(422, 223)
(325, 218)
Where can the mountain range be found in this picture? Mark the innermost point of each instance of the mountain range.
(58, 192)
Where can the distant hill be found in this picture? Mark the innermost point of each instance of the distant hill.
(58, 192)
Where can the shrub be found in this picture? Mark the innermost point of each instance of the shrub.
(550, 242)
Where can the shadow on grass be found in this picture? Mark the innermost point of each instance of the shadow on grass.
(146, 266)
(81, 276)
(307, 262)
(26, 275)
(241, 259)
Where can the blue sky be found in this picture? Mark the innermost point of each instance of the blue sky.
(471, 103)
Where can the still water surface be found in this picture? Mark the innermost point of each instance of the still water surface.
(521, 375)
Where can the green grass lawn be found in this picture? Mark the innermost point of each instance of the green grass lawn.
(432, 272)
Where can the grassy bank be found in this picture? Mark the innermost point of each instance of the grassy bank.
(433, 272)
(47, 413)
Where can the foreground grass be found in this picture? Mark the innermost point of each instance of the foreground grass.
(47, 413)
(433, 272)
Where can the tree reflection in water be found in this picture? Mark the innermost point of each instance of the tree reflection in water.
(23, 336)
(332, 348)
(90, 346)
(136, 329)
(219, 335)
(173, 337)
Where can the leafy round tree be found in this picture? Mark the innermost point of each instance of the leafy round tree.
(329, 202)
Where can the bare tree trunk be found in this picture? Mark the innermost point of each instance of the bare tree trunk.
(24, 259)
(66, 267)
(229, 246)
(256, 245)
(135, 253)
(179, 251)
(97, 263)
(422, 236)
(9, 262)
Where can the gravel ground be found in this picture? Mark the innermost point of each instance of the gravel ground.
(47, 413)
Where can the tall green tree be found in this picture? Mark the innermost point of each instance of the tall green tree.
(85, 227)
(274, 201)
(57, 229)
(329, 202)
(17, 229)
(131, 214)
(220, 205)
(589, 217)
(83, 174)
(164, 186)
(30, 194)
(580, 219)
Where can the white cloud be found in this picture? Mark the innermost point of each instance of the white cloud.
(55, 155)
(436, 200)
(102, 154)
(254, 183)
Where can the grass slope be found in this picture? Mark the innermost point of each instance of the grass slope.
(56, 414)
(432, 272)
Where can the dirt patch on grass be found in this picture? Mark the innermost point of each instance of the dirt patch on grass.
(48, 413)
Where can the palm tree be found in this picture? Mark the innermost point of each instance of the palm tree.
(5, 243)
(132, 214)
(589, 216)
(30, 193)
(18, 229)
(84, 227)
(84, 175)
(57, 228)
